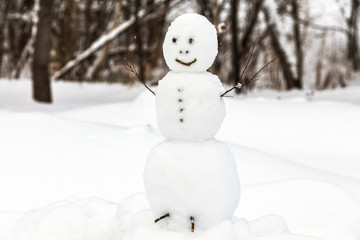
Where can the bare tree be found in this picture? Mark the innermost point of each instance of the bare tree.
(298, 44)
(41, 78)
(3, 16)
(234, 41)
(139, 41)
(252, 17)
(353, 41)
(288, 75)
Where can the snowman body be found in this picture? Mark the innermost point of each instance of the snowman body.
(191, 177)
(188, 105)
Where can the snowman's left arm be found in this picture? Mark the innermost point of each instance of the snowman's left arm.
(240, 84)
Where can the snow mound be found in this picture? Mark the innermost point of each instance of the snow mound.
(268, 227)
(96, 219)
(309, 207)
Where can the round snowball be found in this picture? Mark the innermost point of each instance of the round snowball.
(189, 106)
(197, 179)
(190, 44)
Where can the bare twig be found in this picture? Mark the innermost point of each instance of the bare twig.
(253, 78)
(239, 84)
(129, 66)
(192, 220)
(162, 217)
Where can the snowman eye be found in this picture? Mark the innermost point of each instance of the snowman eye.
(174, 40)
(191, 40)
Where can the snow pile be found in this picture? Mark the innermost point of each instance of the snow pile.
(96, 219)
(269, 227)
(325, 210)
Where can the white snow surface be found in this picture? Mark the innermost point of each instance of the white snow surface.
(190, 44)
(297, 158)
(188, 178)
(189, 106)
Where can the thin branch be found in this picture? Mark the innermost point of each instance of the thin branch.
(129, 66)
(322, 27)
(239, 84)
(162, 217)
(247, 63)
(253, 78)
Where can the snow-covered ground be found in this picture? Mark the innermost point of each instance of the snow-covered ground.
(76, 162)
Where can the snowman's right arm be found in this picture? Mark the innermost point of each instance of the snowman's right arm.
(148, 88)
(131, 68)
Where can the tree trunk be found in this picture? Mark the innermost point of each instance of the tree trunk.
(234, 41)
(137, 28)
(298, 44)
(41, 78)
(285, 65)
(3, 13)
(206, 9)
(251, 20)
(353, 41)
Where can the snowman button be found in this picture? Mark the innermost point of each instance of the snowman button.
(180, 100)
(180, 90)
(181, 109)
(181, 120)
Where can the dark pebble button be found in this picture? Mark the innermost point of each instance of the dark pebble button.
(181, 120)
(180, 100)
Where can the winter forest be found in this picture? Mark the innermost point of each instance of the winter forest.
(180, 120)
(317, 41)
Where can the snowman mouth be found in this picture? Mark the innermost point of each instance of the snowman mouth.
(185, 63)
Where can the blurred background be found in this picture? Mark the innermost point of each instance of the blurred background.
(86, 41)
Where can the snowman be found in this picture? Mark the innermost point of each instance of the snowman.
(188, 102)
(191, 179)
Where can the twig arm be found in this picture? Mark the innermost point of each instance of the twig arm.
(129, 66)
(239, 84)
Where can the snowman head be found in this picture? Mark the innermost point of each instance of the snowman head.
(190, 44)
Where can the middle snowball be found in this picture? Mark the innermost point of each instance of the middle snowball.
(189, 106)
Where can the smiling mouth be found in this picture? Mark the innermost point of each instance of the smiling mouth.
(185, 63)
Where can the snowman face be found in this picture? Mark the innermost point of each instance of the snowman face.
(190, 44)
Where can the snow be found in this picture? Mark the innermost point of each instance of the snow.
(297, 157)
(227, 230)
(190, 39)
